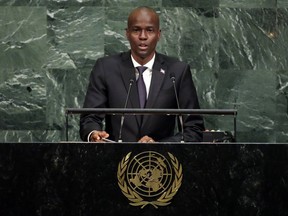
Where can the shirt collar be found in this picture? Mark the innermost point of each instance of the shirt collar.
(148, 64)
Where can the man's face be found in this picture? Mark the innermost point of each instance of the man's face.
(143, 34)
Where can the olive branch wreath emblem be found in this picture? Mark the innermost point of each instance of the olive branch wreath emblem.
(135, 198)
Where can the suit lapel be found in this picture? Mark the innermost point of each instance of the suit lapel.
(128, 73)
(158, 74)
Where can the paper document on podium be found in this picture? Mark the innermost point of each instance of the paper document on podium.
(108, 140)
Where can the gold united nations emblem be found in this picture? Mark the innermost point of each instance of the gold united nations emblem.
(149, 178)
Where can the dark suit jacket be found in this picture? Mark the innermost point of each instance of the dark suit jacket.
(108, 87)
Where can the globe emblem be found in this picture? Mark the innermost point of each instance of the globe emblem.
(149, 174)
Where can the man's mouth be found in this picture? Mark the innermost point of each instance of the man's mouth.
(143, 46)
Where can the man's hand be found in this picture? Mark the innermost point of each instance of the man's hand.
(97, 136)
(146, 139)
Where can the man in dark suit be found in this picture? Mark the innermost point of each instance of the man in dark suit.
(110, 80)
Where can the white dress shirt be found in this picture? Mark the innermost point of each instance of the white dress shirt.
(147, 74)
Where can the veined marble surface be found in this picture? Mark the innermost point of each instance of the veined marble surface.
(237, 51)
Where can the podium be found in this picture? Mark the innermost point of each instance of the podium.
(70, 178)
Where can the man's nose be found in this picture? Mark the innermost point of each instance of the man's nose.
(143, 34)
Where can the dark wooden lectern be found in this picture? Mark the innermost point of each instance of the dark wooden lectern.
(108, 179)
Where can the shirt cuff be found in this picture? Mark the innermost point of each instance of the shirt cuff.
(89, 135)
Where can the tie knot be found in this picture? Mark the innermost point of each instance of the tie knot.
(141, 69)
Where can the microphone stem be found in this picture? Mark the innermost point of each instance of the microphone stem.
(123, 115)
(178, 106)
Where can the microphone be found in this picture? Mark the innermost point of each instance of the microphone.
(172, 77)
(131, 81)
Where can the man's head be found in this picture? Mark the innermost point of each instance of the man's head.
(143, 32)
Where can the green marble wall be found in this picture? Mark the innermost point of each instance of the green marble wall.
(237, 50)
